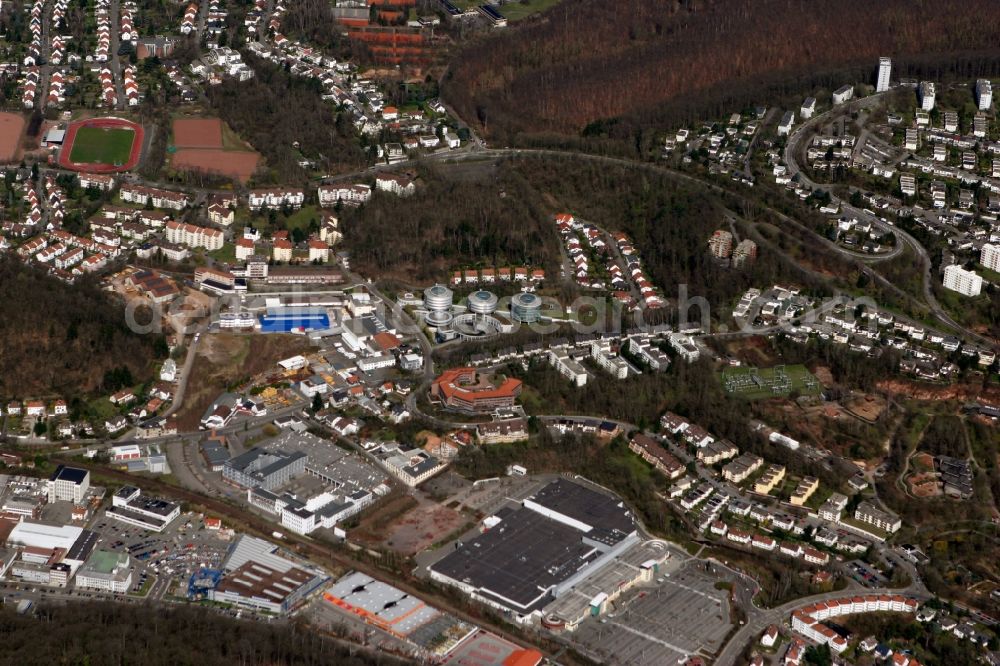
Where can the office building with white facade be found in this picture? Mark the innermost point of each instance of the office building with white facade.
(68, 484)
(107, 571)
(129, 505)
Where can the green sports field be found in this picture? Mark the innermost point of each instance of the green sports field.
(96, 145)
(779, 381)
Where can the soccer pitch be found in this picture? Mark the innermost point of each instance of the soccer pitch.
(759, 383)
(97, 145)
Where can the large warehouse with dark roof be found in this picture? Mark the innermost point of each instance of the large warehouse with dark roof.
(554, 539)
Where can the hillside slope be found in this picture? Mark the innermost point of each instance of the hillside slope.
(61, 339)
(503, 215)
(590, 60)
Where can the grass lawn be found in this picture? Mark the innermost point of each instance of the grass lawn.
(226, 254)
(517, 10)
(300, 219)
(231, 140)
(760, 383)
(512, 10)
(96, 145)
(101, 408)
(987, 274)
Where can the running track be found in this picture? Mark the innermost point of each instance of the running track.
(104, 123)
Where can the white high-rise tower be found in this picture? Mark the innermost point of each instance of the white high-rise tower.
(884, 71)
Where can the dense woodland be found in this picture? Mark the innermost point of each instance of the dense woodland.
(63, 340)
(490, 218)
(286, 120)
(503, 216)
(601, 69)
(115, 633)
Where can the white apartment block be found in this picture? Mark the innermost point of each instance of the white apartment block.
(868, 513)
(884, 71)
(139, 194)
(984, 94)
(192, 235)
(927, 93)
(398, 185)
(568, 367)
(785, 126)
(808, 108)
(351, 195)
(275, 199)
(843, 94)
(964, 282)
(96, 180)
(616, 366)
(907, 184)
(989, 257)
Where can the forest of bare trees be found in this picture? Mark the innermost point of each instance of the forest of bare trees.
(63, 339)
(286, 120)
(108, 632)
(504, 217)
(496, 219)
(650, 62)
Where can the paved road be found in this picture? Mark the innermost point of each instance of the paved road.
(794, 148)
(759, 620)
(182, 380)
(116, 61)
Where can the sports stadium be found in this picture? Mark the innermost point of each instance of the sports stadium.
(102, 145)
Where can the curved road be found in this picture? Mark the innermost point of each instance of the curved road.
(794, 148)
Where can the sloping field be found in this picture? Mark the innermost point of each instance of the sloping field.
(198, 133)
(205, 144)
(236, 163)
(11, 128)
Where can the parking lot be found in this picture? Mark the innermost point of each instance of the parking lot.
(488, 495)
(163, 562)
(681, 615)
(865, 574)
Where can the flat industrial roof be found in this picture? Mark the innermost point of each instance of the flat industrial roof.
(488, 649)
(610, 520)
(519, 559)
(252, 579)
(331, 463)
(396, 609)
(41, 535)
(83, 546)
(73, 474)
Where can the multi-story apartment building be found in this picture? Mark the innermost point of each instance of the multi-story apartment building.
(192, 235)
(984, 94)
(964, 282)
(884, 71)
(989, 257)
(868, 512)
